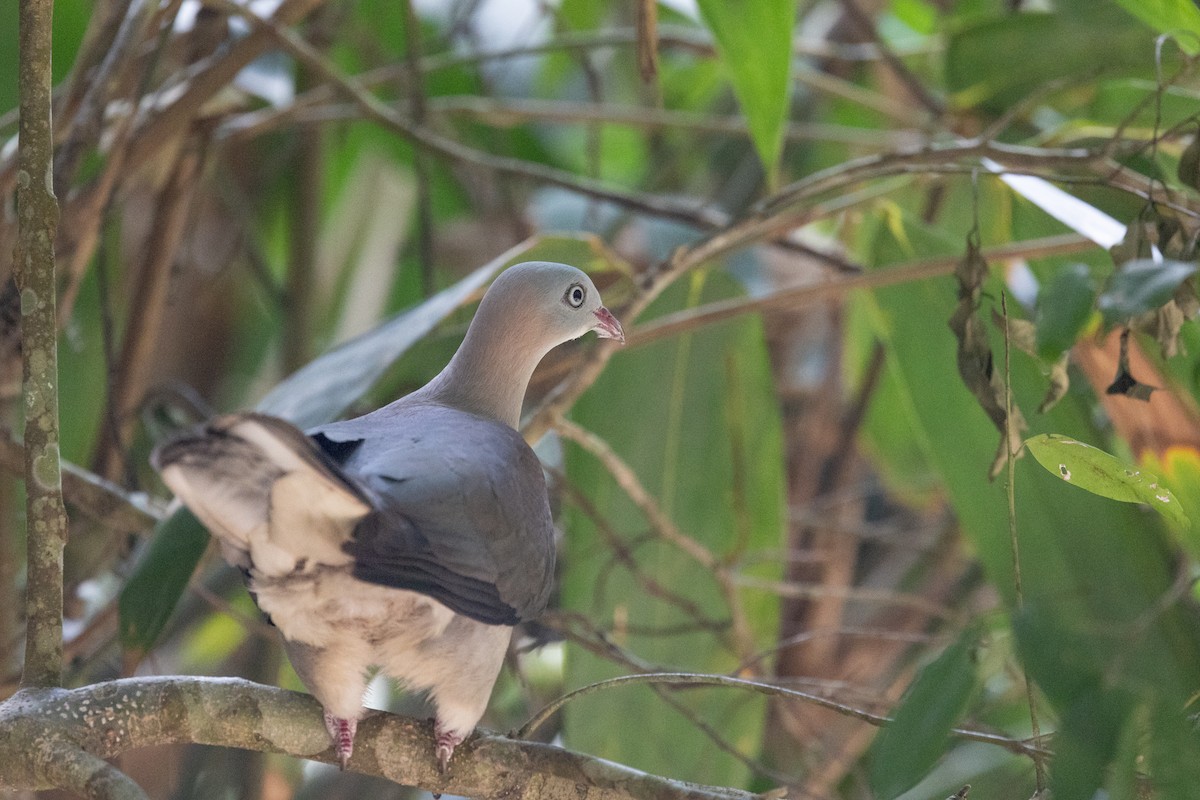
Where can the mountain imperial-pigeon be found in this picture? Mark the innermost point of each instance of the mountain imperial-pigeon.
(410, 539)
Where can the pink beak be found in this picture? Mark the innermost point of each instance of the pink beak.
(606, 326)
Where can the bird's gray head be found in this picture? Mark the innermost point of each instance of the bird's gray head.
(529, 310)
(552, 302)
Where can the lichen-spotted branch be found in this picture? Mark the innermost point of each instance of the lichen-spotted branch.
(37, 221)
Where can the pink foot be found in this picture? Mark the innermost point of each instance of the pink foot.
(342, 733)
(446, 742)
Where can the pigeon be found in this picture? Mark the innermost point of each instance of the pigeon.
(409, 540)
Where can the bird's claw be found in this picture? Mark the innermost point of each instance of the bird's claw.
(342, 732)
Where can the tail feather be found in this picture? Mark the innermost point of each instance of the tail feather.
(264, 489)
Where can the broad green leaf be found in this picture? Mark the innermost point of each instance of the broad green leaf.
(1000, 60)
(1086, 742)
(159, 579)
(1095, 471)
(1139, 102)
(1063, 308)
(695, 418)
(905, 751)
(1179, 18)
(1174, 752)
(1140, 286)
(754, 38)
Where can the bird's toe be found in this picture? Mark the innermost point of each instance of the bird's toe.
(446, 740)
(341, 731)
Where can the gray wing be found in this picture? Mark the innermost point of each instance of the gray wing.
(460, 509)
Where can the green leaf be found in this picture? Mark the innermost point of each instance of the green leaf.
(1140, 286)
(905, 751)
(1064, 306)
(754, 38)
(1085, 743)
(159, 579)
(1179, 18)
(1000, 60)
(1105, 475)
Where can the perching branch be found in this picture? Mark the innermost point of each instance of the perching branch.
(104, 720)
(33, 270)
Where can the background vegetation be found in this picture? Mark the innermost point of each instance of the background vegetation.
(858, 246)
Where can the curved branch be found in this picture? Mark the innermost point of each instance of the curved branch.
(104, 720)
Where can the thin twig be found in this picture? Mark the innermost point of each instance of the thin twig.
(1019, 746)
(806, 294)
(629, 482)
(859, 593)
(380, 112)
(623, 554)
(418, 102)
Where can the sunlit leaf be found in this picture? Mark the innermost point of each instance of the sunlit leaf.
(1095, 471)
(1179, 18)
(755, 43)
(919, 733)
(1140, 286)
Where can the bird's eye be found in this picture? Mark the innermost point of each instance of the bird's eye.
(575, 295)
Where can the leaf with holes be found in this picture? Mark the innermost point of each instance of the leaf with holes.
(1097, 472)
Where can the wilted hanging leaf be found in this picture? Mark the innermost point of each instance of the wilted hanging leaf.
(1095, 471)
(1135, 245)
(1124, 382)
(975, 363)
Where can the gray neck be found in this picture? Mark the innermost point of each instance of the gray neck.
(488, 375)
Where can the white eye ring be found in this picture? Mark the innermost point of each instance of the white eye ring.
(575, 295)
